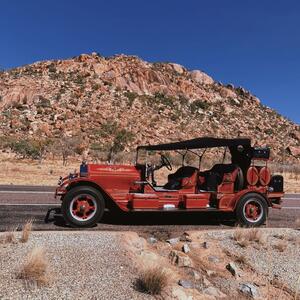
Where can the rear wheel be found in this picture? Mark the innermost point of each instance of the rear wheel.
(83, 206)
(252, 210)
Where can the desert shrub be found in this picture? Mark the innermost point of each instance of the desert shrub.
(96, 146)
(8, 237)
(269, 131)
(281, 245)
(96, 86)
(26, 231)
(25, 148)
(43, 102)
(79, 79)
(122, 138)
(152, 281)
(107, 129)
(30, 148)
(199, 104)
(67, 146)
(244, 237)
(131, 97)
(52, 68)
(183, 100)
(161, 98)
(35, 268)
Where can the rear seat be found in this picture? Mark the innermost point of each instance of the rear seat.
(209, 180)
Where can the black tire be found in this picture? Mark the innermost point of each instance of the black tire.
(255, 200)
(76, 193)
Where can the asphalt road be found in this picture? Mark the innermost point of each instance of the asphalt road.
(20, 203)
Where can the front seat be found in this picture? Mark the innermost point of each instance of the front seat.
(175, 179)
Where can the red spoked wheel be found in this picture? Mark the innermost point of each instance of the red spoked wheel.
(252, 210)
(83, 206)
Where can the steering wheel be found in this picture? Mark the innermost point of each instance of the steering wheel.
(165, 162)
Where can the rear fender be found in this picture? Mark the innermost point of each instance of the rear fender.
(240, 195)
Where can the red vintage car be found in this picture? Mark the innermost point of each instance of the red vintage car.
(244, 186)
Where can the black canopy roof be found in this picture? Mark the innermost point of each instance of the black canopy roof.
(204, 142)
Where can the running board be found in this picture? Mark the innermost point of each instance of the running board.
(176, 209)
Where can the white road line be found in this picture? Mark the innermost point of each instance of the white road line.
(293, 199)
(291, 207)
(25, 192)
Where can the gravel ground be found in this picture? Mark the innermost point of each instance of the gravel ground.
(265, 258)
(89, 265)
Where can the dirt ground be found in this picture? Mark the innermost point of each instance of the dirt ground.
(106, 265)
(31, 172)
(272, 271)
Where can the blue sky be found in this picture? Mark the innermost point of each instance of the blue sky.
(255, 44)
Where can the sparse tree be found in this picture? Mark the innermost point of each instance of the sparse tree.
(67, 146)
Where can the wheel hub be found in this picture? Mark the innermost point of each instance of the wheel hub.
(253, 211)
(83, 208)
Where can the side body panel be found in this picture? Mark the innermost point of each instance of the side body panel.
(122, 184)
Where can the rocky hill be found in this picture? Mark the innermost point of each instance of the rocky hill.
(115, 103)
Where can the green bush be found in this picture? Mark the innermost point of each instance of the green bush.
(161, 98)
(131, 97)
(52, 68)
(26, 149)
(122, 138)
(199, 104)
(107, 129)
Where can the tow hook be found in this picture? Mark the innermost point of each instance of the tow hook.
(56, 210)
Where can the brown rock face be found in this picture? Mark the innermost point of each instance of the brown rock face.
(294, 150)
(201, 77)
(122, 101)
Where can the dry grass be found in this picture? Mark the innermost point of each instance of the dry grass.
(47, 172)
(26, 231)
(9, 237)
(33, 172)
(35, 268)
(244, 237)
(255, 235)
(281, 246)
(152, 281)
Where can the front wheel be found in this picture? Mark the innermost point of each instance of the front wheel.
(83, 206)
(252, 210)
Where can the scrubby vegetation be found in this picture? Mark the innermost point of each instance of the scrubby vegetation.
(152, 281)
(35, 268)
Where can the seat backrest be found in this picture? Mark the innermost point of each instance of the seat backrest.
(190, 181)
(184, 171)
(223, 168)
(212, 178)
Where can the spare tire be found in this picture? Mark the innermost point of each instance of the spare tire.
(239, 180)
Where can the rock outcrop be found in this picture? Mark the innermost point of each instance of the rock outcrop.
(123, 99)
